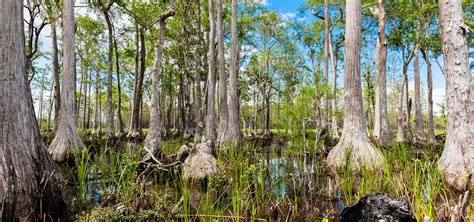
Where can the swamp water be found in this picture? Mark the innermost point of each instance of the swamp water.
(253, 184)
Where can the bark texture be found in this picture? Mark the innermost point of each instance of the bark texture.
(223, 109)
(334, 124)
(457, 161)
(109, 121)
(29, 180)
(121, 130)
(233, 128)
(56, 87)
(418, 114)
(134, 129)
(400, 132)
(354, 147)
(431, 134)
(153, 138)
(197, 80)
(325, 99)
(381, 125)
(66, 137)
(200, 162)
(188, 106)
(97, 103)
(210, 131)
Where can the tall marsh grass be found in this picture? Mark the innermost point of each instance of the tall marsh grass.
(245, 189)
(416, 179)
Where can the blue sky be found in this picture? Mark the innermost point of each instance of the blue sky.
(289, 8)
(285, 6)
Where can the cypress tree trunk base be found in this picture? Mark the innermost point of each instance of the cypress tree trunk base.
(456, 166)
(66, 138)
(356, 151)
(151, 144)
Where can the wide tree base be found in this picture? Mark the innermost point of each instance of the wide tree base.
(152, 145)
(231, 137)
(201, 162)
(64, 142)
(455, 166)
(355, 150)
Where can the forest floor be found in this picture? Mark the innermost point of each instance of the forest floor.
(282, 177)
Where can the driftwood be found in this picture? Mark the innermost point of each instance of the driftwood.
(151, 162)
(458, 212)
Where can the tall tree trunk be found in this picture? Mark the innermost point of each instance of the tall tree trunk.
(50, 107)
(210, 131)
(109, 121)
(188, 124)
(456, 163)
(121, 130)
(334, 124)
(381, 125)
(267, 113)
(431, 133)
(418, 114)
(40, 110)
(88, 125)
(86, 111)
(223, 109)
(255, 108)
(325, 100)
(197, 80)
(66, 137)
(354, 139)
(84, 98)
(406, 116)
(142, 77)
(266, 90)
(29, 180)
(56, 86)
(134, 130)
(97, 103)
(400, 115)
(233, 127)
(171, 100)
(153, 138)
(181, 109)
(81, 84)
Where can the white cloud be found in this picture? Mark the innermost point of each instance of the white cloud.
(302, 19)
(288, 16)
(281, 24)
(263, 2)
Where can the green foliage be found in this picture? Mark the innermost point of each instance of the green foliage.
(299, 109)
(82, 166)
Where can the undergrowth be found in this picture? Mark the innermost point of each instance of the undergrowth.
(253, 183)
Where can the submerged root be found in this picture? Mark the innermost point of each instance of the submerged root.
(356, 151)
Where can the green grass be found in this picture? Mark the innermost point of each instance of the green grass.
(242, 189)
(401, 176)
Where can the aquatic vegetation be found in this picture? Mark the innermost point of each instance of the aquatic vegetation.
(253, 183)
